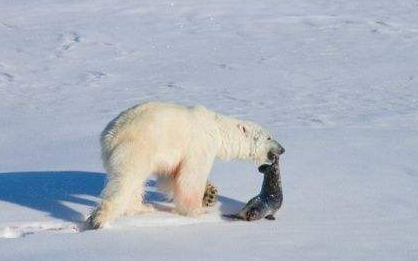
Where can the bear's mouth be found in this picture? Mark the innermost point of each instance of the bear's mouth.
(274, 154)
(271, 155)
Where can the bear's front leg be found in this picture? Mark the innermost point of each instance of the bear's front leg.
(189, 188)
(166, 185)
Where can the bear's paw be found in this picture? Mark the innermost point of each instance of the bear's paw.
(211, 195)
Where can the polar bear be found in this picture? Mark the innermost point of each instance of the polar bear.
(179, 145)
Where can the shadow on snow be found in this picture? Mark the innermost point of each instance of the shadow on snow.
(47, 191)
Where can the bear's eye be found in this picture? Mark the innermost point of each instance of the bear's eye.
(269, 138)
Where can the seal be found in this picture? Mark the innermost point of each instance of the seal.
(270, 199)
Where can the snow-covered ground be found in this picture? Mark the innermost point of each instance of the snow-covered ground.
(335, 81)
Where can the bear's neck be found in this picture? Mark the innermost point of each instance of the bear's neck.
(232, 143)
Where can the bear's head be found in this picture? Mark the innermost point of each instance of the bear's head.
(259, 143)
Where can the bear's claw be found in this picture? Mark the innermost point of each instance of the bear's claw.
(91, 223)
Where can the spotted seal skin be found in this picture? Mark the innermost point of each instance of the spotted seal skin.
(270, 199)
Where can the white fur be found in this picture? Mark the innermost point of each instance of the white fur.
(177, 143)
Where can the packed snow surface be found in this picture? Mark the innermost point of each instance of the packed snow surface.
(335, 81)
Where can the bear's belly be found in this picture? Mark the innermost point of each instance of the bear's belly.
(164, 168)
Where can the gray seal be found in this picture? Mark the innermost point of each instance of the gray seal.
(270, 199)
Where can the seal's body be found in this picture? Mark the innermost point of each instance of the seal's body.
(270, 199)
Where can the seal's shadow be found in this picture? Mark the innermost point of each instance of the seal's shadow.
(48, 191)
(229, 205)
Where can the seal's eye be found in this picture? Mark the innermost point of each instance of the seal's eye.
(269, 138)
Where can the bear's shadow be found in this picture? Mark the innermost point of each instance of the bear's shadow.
(48, 191)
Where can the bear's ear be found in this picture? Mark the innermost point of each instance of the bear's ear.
(264, 168)
(243, 129)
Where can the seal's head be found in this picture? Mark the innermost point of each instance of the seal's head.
(267, 169)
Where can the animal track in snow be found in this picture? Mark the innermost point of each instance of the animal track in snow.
(68, 41)
(173, 85)
(21, 230)
(6, 77)
(338, 22)
(9, 26)
(386, 27)
(94, 76)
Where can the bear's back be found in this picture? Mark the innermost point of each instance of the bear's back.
(152, 112)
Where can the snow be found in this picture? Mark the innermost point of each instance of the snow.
(335, 81)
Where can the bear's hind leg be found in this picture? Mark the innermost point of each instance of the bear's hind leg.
(127, 170)
(166, 184)
(117, 195)
(137, 206)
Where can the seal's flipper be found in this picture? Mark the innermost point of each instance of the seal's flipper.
(233, 216)
(253, 214)
(270, 217)
(264, 168)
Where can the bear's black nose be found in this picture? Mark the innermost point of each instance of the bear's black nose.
(275, 151)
